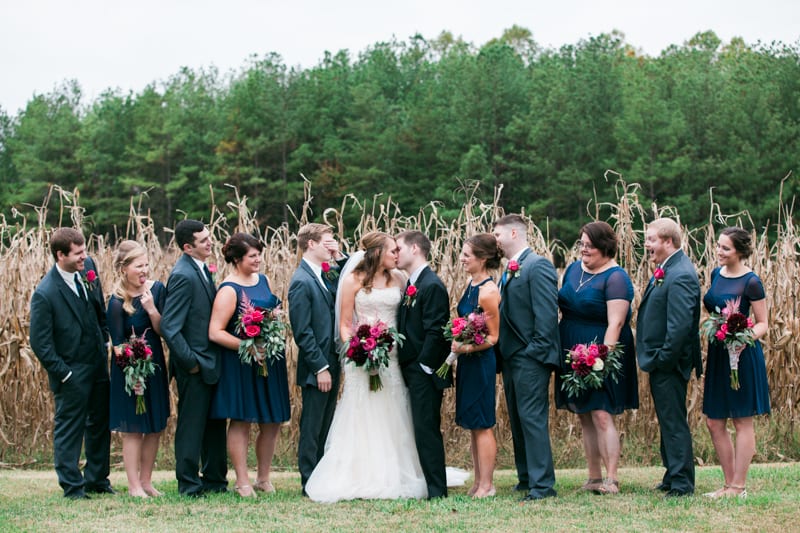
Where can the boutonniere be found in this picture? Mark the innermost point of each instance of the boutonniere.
(512, 270)
(658, 276)
(331, 272)
(212, 269)
(89, 278)
(411, 296)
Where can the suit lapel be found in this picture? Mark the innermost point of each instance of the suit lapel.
(316, 281)
(509, 278)
(73, 301)
(207, 286)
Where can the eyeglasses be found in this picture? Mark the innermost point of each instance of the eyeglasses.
(584, 245)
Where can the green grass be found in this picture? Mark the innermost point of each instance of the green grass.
(31, 501)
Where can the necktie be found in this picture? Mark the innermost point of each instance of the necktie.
(79, 287)
(208, 274)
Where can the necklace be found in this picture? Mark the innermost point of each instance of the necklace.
(581, 283)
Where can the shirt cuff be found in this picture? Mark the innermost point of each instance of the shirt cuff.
(428, 370)
(323, 369)
(69, 375)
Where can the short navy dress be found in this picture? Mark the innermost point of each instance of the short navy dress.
(584, 319)
(242, 393)
(719, 399)
(475, 376)
(122, 413)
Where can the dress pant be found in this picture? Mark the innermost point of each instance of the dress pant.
(669, 398)
(426, 414)
(526, 383)
(315, 422)
(199, 439)
(81, 419)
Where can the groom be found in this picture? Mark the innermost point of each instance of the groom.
(312, 294)
(668, 347)
(423, 315)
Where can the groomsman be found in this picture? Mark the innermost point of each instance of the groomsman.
(422, 318)
(312, 294)
(668, 347)
(530, 350)
(68, 335)
(195, 364)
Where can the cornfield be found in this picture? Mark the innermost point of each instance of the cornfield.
(26, 405)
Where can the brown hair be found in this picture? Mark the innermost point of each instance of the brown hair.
(238, 245)
(62, 240)
(741, 240)
(124, 255)
(412, 237)
(515, 220)
(311, 232)
(602, 237)
(372, 243)
(484, 246)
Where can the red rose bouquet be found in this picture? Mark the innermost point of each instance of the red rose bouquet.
(262, 332)
(135, 358)
(369, 347)
(471, 329)
(588, 365)
(734, 330)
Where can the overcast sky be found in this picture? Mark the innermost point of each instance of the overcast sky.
(114, 44)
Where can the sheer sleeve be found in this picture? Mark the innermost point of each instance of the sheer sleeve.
(115, 318)
(754, 289)
(619, 286)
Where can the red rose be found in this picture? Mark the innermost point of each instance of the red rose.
(513, 266)
(326, 267)
(91, 275)
(252, 331)
(212, 268)
(411, 290)
(370, 344)
(256, 317)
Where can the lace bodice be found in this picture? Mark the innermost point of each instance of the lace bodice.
(378, 304)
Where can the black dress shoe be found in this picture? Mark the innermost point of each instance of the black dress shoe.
(521, 487)
(675, 493)
(78, 496)
(550, 493)
(102, 490)
(663, 487)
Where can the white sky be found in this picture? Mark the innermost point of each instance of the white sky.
(115, 44)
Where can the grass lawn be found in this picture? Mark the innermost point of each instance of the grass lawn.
(30, 500)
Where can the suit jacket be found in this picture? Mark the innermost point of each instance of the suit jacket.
(311, 314)
(667, 324)
(423, 323)
(529, 312)
(184, 322)
(64, 329)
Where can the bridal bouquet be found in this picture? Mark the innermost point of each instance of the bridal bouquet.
(370, 347)
(135, 358)
(734, 330)
(471, 329)
(262, 332)
(589, 365)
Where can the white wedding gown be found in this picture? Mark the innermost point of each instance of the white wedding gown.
(370, 452)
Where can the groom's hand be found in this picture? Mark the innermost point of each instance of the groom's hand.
(324, 381)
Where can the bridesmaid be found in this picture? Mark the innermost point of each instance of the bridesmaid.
(595, 303)
(730, 280)
(136, 305)
(243, 395)
(476, 369)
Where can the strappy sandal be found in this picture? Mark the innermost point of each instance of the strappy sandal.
(264, 486)
(592, 484)
(609, 486)
(245, 491)
(719, 493)
(741, 494)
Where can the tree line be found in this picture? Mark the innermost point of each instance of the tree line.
(423, 120)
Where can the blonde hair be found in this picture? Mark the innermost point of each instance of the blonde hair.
(667, 229)
(125, 254)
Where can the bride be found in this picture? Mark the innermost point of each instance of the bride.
(370, 452)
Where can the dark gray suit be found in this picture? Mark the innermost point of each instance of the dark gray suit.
(311, 313)
(530, 349)
(668, 347)
(184, 326)
(68, 334)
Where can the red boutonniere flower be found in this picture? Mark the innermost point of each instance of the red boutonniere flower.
(89, 278)
(331, 272)
(658, 276)
(411, 296)
(512, 270)
(212, 268)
